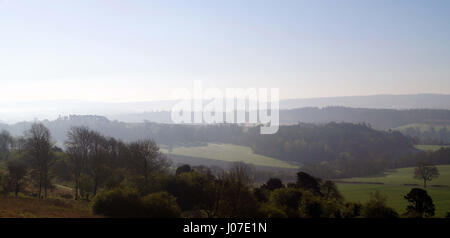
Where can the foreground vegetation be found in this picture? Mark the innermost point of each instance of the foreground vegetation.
(30, 207)
(361, 193)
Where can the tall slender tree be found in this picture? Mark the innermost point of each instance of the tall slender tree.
(39, 146)
(78, 147)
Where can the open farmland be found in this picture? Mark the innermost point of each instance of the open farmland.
(395, 185)
(229, 153)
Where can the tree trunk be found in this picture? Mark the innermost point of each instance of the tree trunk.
(40, 185)
(95, 186)
(145, 172)
(425, 183)
(76, 189)
(45, 184)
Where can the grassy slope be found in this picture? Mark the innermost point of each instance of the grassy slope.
(23, 207)
(230, 153)
(395, 189)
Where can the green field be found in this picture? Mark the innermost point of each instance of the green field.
(229, 153)
(394, 188)
(430, 147)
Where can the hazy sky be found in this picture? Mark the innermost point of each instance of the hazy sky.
(140, 50)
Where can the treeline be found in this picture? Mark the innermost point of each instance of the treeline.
(335, 150)
(441, 156)
(380, 119)
(430, 135)
(317, 143)
(341, 168)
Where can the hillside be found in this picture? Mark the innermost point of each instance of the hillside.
(430, 132)
(22, 207)
(381, 119)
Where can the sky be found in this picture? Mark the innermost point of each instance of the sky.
(125, 51)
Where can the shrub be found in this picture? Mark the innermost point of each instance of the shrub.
(160, 205)
(124, 203)
(311, 206)
(267, 210)
(194, 190)
(352, 210)
(377, 208)
(287, 200)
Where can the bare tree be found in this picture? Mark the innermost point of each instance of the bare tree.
(38, 145)
(147, 158)
(426, 173)
(6, 142)
(17, 171)
(234, 183)
(97, 159)
(78, 147)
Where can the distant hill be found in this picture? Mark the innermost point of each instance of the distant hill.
(134, 128)
(413, 101)
(138, 111)
(381, 119)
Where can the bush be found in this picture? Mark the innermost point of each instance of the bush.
(377, 208)
(287, 200)
(311, 206)
(126, 203)
(267, 210)
(160, 205)
(194, 190)
(352, 210)
(123, 203)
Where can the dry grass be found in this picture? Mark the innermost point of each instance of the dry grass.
(24, 207)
